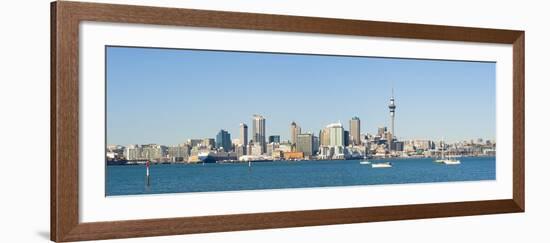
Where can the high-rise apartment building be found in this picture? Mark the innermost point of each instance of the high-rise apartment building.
(304, 143)
(223, 140)
(355, 131)
(258, 131)
(294, 131)
(243, 130)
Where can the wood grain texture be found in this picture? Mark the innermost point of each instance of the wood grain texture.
(65, 19)
(519, 121)
(53, 119)
(65, 124)
(159, 227)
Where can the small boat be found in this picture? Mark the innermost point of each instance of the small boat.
(451, 161)
(448, 160)
(440, 159)
(382, 165)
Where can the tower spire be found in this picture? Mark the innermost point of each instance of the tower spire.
(392, 107)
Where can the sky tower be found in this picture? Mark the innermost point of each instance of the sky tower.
(392, 116)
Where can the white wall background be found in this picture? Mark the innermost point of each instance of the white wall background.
(24, 120)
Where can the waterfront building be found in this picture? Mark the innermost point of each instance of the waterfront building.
(258, 131)
(256, 149)
(277, 154)
(285, 147)
(153, 152)
(325, 152)
(355, 131)
(240, 150)
(270, 147)
(178, 153)
(293, 155)
(339, 152)
(193, 159)
(243, 132)
(111, 155)
(115, 152)
(274, 139)
(130, 151)
(304, 143)
(294, 131)
(398, 146)
(223, 140)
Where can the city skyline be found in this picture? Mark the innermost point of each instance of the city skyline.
(310, 95)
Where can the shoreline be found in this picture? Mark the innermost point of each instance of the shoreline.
(119, 163)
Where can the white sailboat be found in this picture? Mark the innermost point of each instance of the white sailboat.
(442, 158)
(447, 160)
(382, 165)
(451, 161)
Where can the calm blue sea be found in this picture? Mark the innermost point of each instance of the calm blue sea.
(175, 178)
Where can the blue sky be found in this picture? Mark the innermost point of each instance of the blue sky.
(167, 96)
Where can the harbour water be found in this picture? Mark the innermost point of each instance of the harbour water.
(181, 178)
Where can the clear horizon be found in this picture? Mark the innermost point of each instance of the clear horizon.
(167, 96)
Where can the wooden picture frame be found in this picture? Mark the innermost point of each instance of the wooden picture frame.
(65, 19)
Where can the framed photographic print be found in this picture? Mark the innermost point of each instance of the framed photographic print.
(176, 121)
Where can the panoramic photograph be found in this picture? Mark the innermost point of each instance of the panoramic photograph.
(185, 120)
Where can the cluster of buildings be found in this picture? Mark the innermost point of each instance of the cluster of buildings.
(333, 142)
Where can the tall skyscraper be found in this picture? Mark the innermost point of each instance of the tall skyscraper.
(304, 143)
(324, 137)
(223, 140)
(315, 144)
(355, 131)
(294, 131)
(243, 129)
(392, 116)
(346, 138)
(336, 134)
(258, 131)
